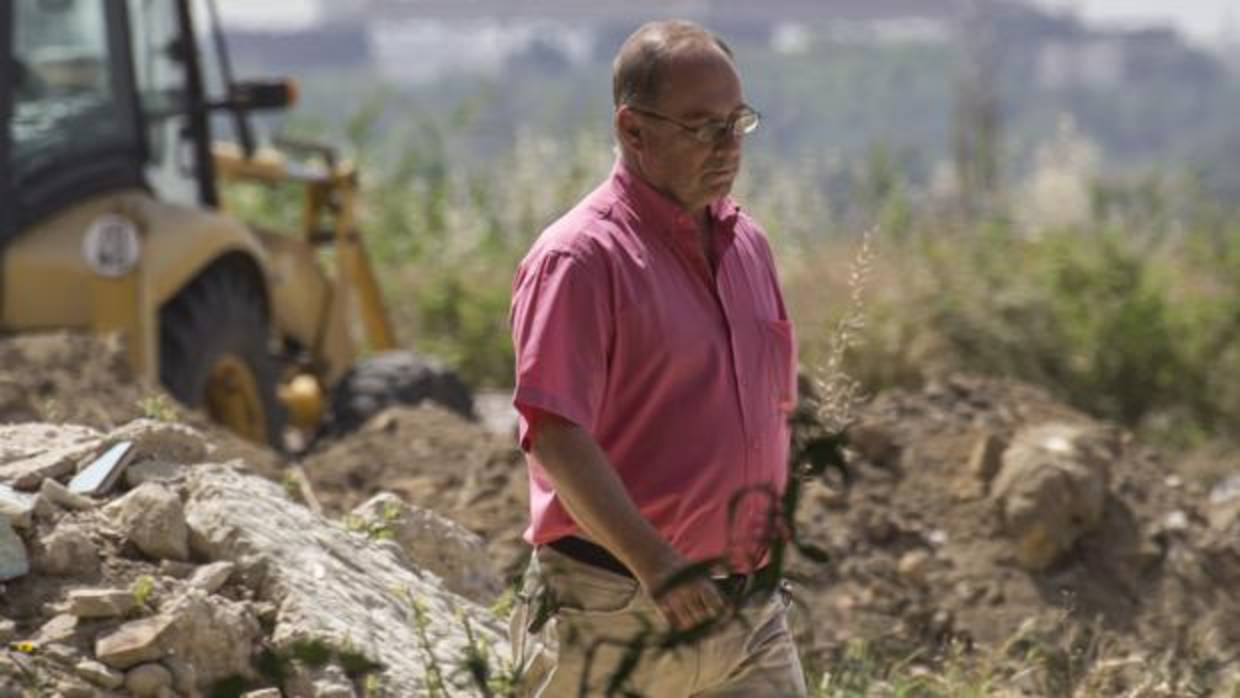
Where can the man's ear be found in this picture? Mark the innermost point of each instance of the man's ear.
(629, 129)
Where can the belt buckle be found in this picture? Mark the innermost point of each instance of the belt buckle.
(735, 586)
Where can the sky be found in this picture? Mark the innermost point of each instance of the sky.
(1203, 20)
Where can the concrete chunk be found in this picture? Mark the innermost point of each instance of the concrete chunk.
(60, 628)
(13, 560)
(162, 441)
(100, 603)
(99, 674)
(154, 519)
(133, 643)
(213, 576)
(31, 463)
(67, 551)
(148, 680)
(60, 495)
(17, 507)
(152, 471)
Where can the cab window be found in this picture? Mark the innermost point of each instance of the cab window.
(67, 102)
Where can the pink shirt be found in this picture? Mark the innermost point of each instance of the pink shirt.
(684, 375)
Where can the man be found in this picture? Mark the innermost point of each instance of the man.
(655, 371)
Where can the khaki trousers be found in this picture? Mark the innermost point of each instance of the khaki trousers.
(579, 631)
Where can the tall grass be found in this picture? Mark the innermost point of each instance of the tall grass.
(1129, 309)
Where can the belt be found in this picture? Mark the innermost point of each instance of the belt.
(582, 550)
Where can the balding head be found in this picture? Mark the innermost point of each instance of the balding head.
(641, 64)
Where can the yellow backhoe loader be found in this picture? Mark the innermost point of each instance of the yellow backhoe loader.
(110, 220)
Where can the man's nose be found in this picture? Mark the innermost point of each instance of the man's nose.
(729, 141)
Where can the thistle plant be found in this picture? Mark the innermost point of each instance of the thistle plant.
(838, 395)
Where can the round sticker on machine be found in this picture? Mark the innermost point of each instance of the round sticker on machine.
(111, 246)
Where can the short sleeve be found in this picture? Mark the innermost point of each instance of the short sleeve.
(561, 332)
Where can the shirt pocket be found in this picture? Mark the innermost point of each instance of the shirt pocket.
(780, 365)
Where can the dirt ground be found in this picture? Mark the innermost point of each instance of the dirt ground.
(919, 563)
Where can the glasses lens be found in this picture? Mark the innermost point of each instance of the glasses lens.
(712, 132)
(746, 123)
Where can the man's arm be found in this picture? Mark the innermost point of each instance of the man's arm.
(595, 497)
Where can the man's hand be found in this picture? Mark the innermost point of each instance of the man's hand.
(690, 601)
(594, 496)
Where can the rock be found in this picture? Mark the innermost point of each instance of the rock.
(328, 584)
(214, 635)
(14, 562)
(34, 452)
(176, 569)
(60, 495)
(153, 471)
(60, 652)
(17, 507)
(874, 442)
(184, 678)
(153, 518)
(100, 603)
(60, 628)
(914, 565)
(1052, 489)
(134, 642)
(45, 509)
(169, 442)
(1175, 522)
(71, 689)
(446, 548)
(8, 631)
(263, 693)
(984, 462)
(148, 680)
(320, 682)
(66, 551)
(1223, 508)
(213, 576)
(99, 674)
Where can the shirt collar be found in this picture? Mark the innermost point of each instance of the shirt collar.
(658, 209)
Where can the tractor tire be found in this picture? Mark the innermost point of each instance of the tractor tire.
(394, 378)
(213, 354)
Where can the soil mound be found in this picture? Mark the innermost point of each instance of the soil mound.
(983, 515)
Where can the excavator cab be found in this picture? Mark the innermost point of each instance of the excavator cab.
(110, 218)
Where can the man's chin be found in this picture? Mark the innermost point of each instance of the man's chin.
(719, 191)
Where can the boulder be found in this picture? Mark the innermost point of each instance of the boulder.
(153, 518)
(1052, 488)
(436, 544)
(332, 588)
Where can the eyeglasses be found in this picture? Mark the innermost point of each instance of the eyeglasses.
(742, 122)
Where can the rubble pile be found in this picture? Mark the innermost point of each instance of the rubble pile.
(175, 575)
(983, 517)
